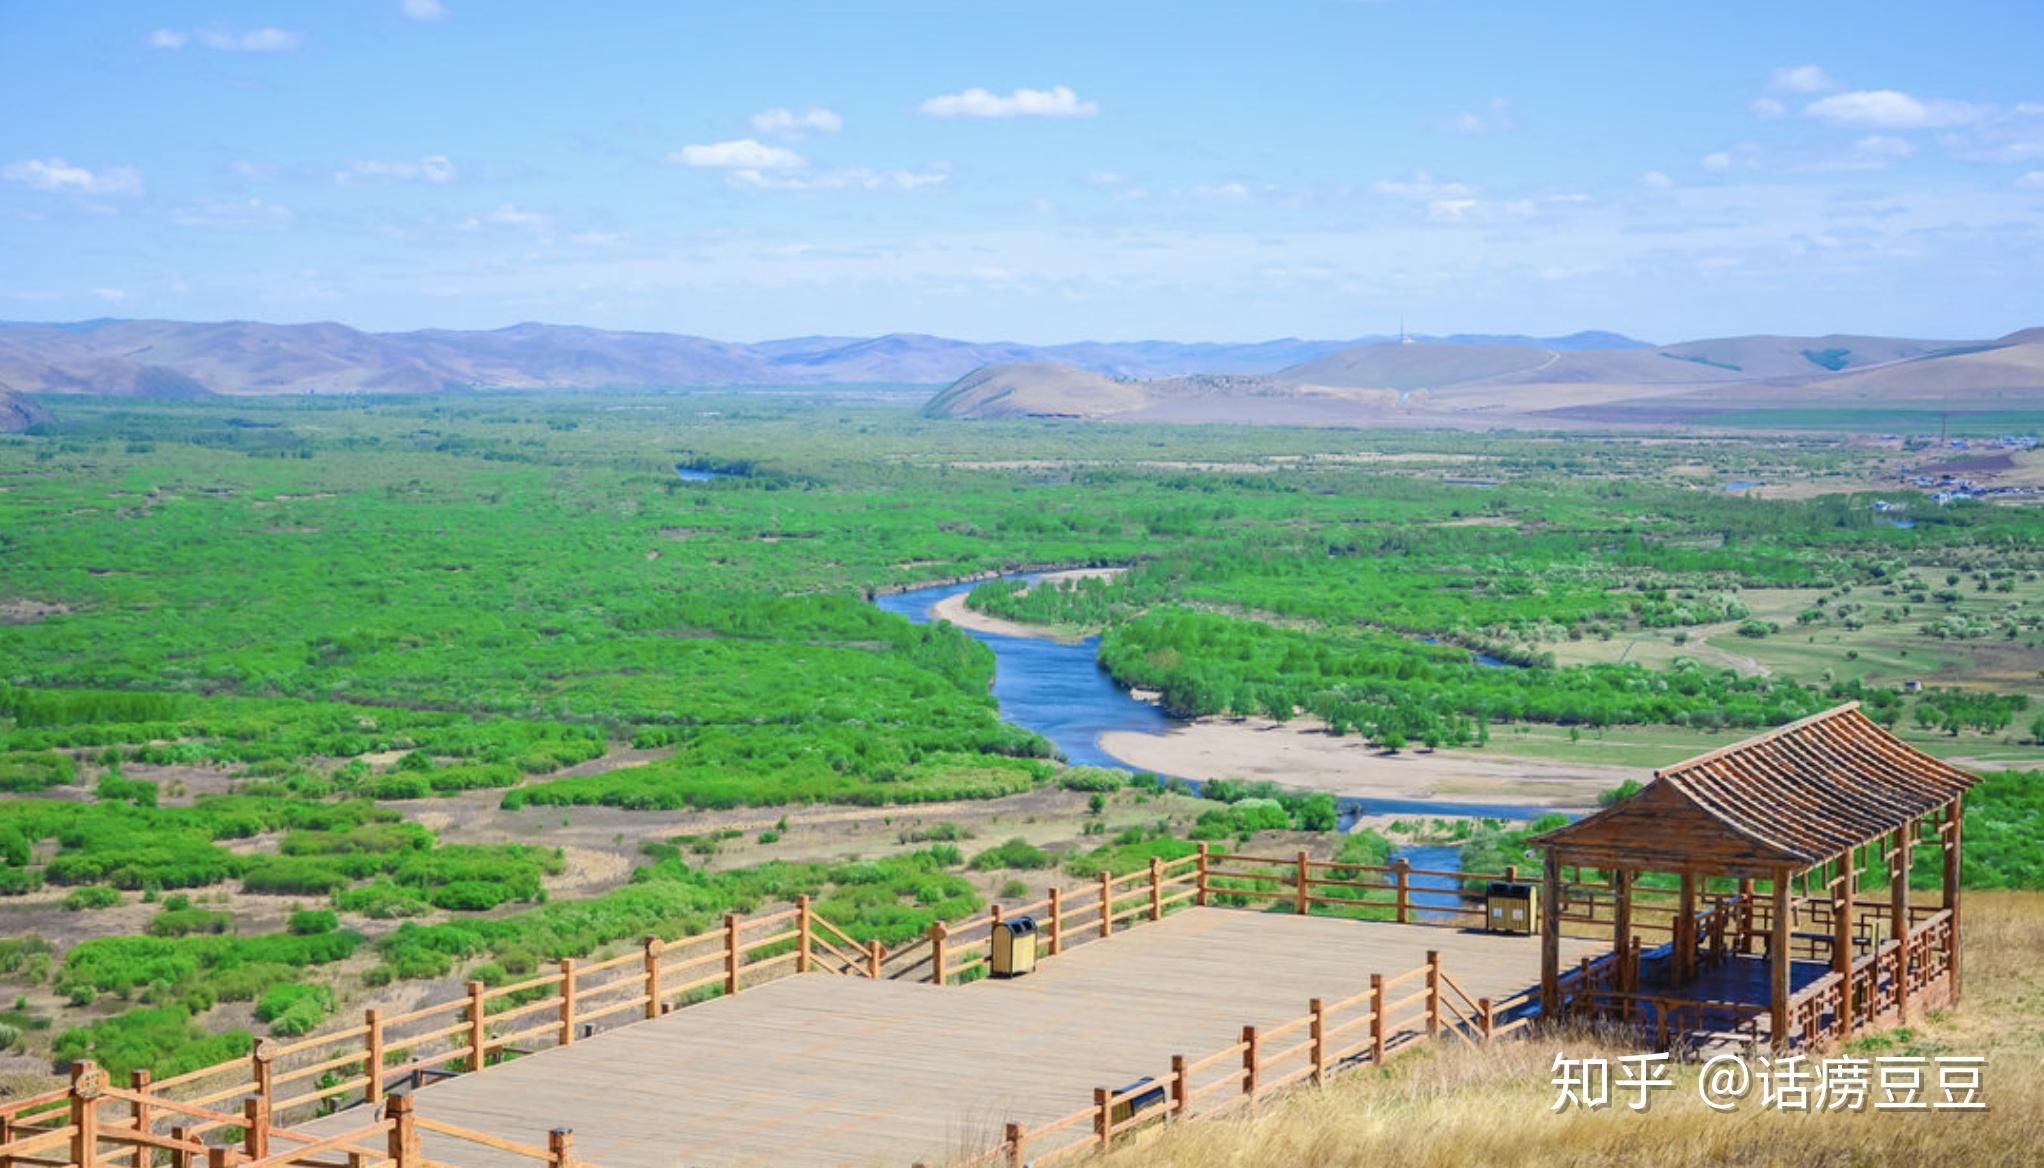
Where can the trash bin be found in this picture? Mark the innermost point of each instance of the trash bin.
(1139, 1102)
(1014, 950)
(1511, 907)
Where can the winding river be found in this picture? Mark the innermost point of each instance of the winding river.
(1059, 690)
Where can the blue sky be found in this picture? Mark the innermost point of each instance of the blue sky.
(1039, 173)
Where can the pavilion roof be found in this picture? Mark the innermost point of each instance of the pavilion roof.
(1792, 797)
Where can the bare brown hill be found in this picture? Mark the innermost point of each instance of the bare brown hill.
(1510, 384)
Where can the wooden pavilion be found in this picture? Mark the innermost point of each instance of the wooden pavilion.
(1807, 812)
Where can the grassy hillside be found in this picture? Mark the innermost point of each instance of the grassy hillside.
(1445, 1108)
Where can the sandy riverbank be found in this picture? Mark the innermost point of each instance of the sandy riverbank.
(954, 609)
(1303, 756)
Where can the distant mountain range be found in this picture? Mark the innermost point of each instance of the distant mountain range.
(1515, 382)
(160, 358)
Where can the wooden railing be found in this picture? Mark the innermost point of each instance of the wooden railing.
(1884, 983)
(70, 1127)
(258, 1099)
(1363, 1029)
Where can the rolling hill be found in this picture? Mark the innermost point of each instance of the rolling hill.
(1513, 383)
(153, 358)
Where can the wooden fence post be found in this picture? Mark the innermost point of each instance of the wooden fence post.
(1200, 896)
(220, 1157)
(1106, 905)
(1103, 1116)
(567, 1035)
(404, 1135)
(1377, 1018)
(1402, 872)
(1433, 993)
(1015, 1144)
(652, 977)
(937, 955)
(138, 1112)
(1486, 1018)
(1156, 889)
(181, 1157)
(874, 953)
(802, 933)
(87, 1081)
(255, 1129)
(560, 1147)
(372, 1055)
(1319, 1010)
(731, 953)
(1301, 894)
(1057, 922)
(265, 1087)
(477, 1043)
(1249, 1058)
(1181, 1090)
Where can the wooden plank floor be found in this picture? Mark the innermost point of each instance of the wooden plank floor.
(819, 1069)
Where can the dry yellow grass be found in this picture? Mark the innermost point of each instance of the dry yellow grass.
(1448, 1108)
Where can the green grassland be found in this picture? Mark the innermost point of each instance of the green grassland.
(262, 662)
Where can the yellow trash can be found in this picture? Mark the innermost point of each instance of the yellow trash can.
(1511, 907)
(1014, 949)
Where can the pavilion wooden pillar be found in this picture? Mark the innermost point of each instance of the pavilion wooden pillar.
(1953, 812)
(1685, 929)
(1778, 960)
(1898, 913)
(1621, 928)
(1745, 916)
(1841, 938)
(1550, 933)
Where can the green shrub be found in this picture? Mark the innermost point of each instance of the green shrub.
(25, 771)
(183, 922)
(1016, 853)
(310, 922)
(162, 1039)
(91, 896)
(115, 789)
(294, 1008)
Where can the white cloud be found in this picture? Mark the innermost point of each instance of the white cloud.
(1891, 109)
(1656, 180)
(1717, 163)
(2033, 181)
(1495, 118)
(789, 123)
(1423, 187)
(855, 179)
(436, 169)
(55, 174)
(234, 215)
(596, 238)
(1471, 210)
(745, 153)
(1767, 107)
(423, 9)
(1801, 79)
(1233, 192)
(507, 215)
(110, 295)
(1883, 146)
(1056, 102)
(254, 40)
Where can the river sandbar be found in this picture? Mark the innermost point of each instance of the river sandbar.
(1302, 755)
